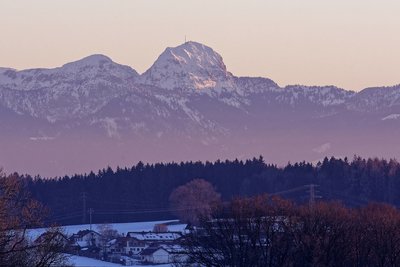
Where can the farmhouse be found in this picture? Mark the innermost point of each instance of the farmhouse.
(163, 253)
(86, 238)
(155, 255)
(125, 245)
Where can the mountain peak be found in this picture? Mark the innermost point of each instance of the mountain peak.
(196, 54)
(92, 60)
(190, 65)
(97, 63)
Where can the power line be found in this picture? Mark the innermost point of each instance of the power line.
(355, 200)
(90, 214)
(311, 189)
(122, 202)
(312, 194)
(84, 198)
(300, 188)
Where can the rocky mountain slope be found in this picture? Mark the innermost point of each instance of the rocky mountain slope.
(186, 106)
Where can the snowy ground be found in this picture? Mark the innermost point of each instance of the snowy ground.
(79, 261)
(89, 262)
(122, 228)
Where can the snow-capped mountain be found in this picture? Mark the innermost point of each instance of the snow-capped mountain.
(189, 66)
(72, 91)
(187, 105)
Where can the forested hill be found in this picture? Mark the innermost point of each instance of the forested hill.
(142, 192)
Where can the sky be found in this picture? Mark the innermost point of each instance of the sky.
(353, 44)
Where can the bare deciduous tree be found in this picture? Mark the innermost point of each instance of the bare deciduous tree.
(246, 232)
(19, 213)
(194, 199)
(262, 231)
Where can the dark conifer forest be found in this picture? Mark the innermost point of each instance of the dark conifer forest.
(142, 192)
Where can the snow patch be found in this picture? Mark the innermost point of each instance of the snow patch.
(322, 148)
(189, 66)
(41, 138)
(89, 262)
(110, 125)
(231, 102)
(391, 117)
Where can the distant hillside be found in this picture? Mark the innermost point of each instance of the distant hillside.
(142, 192)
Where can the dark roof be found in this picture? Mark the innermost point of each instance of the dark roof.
(121, 240)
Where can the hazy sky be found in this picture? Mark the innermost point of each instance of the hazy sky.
(349, 43)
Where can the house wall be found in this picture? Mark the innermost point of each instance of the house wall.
(134, 250)
(160, 256)
(88, 239)
(134, 247)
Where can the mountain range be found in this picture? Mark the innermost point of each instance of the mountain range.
(94, 112)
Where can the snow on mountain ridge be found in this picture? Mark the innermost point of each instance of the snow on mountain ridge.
(186, 100)
(189, 66)
(179, 77)
(322, 95)
(95, 59)
(375, 98)
(74, 90)
(95, 66)
(391, 117)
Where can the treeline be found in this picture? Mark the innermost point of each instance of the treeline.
(142, 191)
(265, 231)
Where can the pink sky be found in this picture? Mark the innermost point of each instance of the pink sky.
(350, 43)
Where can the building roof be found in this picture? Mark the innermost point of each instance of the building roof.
(150, 251)
(122, 242)
(152, 236)
(173, 248)
(82, 233)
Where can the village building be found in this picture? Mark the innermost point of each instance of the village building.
(155, 247)
(85, 239)
(155, 255)
(125, 245)
(155, 237)
(163, 253)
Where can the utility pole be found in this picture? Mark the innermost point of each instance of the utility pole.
(84, 198)
(91, 211)
(312, 195)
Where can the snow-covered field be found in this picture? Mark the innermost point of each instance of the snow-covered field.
(122, 228)
(79, 261)
(89, 262)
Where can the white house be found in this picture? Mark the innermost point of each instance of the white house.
(163, 253)
(86, 238)
(126, 245)
(156, 255)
